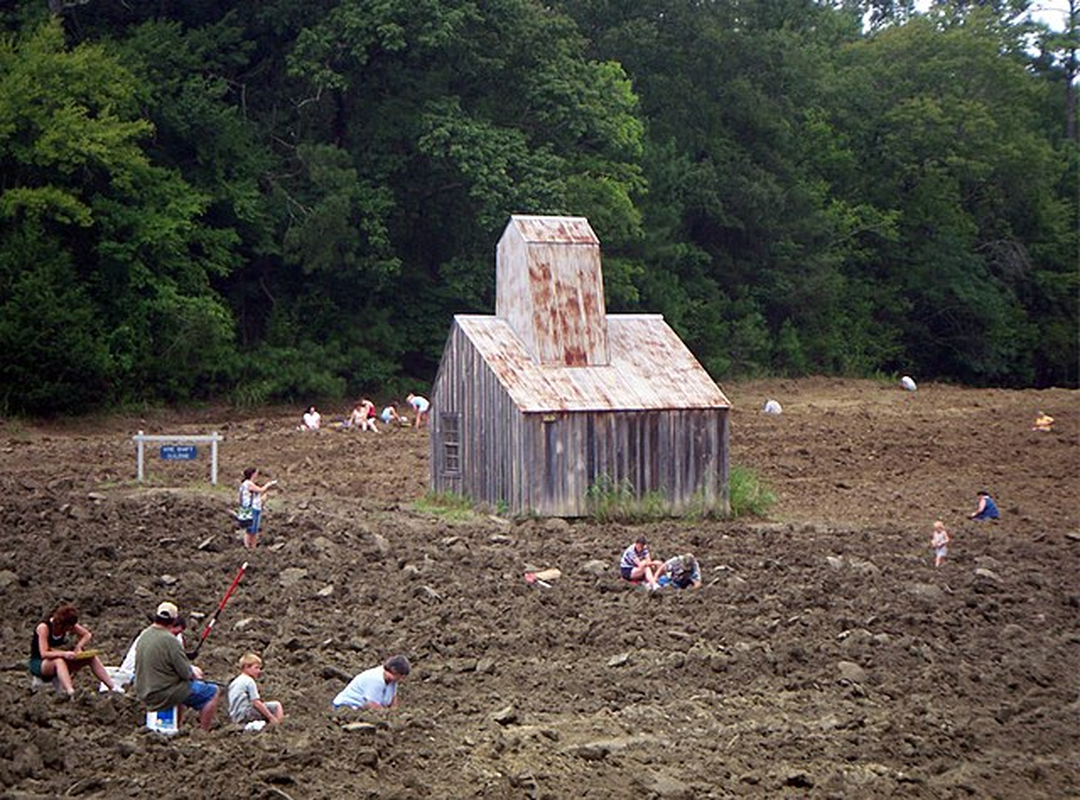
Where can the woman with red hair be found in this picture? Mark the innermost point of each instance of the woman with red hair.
(52, 658)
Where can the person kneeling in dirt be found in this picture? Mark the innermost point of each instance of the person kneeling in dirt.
(50, 657)
(390, 414)
(375, 687)
(637, 565)
(245, 704)
(987, 508)
(163, 675)
(682, 571)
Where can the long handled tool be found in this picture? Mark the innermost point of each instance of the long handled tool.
(221, 605)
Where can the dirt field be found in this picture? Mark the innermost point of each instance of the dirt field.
(824, 657)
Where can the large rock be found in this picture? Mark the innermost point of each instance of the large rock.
(928, 591)
(851, 672)
(595, 567)
(290, 576)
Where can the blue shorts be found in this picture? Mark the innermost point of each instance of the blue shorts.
(627, 573)
(201, 694)
(253, 526)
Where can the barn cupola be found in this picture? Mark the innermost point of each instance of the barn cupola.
(549, 289)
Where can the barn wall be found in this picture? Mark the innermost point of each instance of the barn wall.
(682, 454)
(489, 429)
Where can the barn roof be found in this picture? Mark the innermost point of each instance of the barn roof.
(563, 230)
(650, 369)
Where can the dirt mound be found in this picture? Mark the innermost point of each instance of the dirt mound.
(824, 657)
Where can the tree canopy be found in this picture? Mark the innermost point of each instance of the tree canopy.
(279, 201)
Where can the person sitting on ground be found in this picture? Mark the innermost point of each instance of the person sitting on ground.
(245, 704)
(312, 420)
(51, 658)
(422, 406)
(125, 673)
(163, 675)
(987, 508)
(367, 416)
(636, 564)
(376, 687)
(390, 414)
(353, 420)
(683, 572)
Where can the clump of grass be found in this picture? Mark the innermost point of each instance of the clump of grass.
(749, 495)
(447, 505)
(610, 501)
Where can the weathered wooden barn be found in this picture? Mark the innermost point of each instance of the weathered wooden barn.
(552, 395)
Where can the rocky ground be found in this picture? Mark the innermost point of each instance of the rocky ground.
(824, 657)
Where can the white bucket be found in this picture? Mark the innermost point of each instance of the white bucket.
(166, 721)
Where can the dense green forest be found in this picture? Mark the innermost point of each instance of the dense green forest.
(212, 199)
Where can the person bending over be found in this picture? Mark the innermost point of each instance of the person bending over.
(376, 687)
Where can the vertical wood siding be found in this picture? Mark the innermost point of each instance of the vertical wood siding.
(546, 462)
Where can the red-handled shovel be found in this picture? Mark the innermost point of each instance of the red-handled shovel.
(213, 620)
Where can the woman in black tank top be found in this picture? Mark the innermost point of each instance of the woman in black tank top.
(50, 656)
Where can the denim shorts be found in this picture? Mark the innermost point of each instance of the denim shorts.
(201, 694)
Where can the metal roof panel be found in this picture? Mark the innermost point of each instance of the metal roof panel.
(650, 369)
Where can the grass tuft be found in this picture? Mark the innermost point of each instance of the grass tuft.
(447, 505)
(750, 496)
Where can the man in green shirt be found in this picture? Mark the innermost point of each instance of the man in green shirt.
(163, 675)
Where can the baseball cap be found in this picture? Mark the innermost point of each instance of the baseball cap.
(167, 612)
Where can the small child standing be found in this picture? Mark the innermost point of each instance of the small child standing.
(940, 542)
(245, 704)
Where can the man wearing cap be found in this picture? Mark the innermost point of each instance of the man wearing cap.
(163, 675)
(684, 571)
(125, 673)
(375, 687)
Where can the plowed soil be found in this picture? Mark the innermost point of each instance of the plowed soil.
(825, 656)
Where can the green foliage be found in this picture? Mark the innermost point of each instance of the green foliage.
(55, 357)
(106, 264)
(446, 505)
(748, 494)
(283, 201)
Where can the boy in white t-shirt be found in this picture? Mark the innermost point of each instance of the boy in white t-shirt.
(245, 704)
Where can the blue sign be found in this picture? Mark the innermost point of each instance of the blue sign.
(178, 452)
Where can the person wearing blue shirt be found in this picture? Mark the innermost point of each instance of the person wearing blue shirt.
(987, 507)
(375, 687)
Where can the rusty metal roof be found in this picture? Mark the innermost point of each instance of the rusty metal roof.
(650, 369)
(571, 230)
